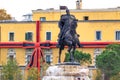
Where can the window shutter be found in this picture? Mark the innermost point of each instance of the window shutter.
(117, 35)
(25, 36)
(98, 35)
(48, 35)
(48, 58)
(30, 36)
(11, 36)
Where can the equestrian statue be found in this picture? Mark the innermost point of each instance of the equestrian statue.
(68, 35)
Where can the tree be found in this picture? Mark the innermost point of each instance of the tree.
(116, 77)
(33, 74)
(109, 61)
(4, 15)
(44, 67)
(79, 56)
(99, 75)
(11, 71)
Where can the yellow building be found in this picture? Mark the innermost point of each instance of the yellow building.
(97, 28)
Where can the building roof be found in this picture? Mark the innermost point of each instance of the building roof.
(7, 21)
(78, 10)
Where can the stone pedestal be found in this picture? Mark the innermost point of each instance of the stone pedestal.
(67, 71)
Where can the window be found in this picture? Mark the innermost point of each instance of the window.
(86, 18)
(11, 36)
(48, 58)
(48, 55)
(97, 52)
(28, 58)
(11, 54)
(28, 36)
(11, 57)
(28, 55)
(98, 35)
(117, 35)
(48, 35)
(42, 18)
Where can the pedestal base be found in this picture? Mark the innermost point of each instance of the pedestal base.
(67, 71)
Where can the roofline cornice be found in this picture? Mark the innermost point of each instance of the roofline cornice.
(79, 10)
(16, 22)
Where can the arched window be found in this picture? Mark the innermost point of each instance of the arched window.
(11, 53)
(48, 55)
(97, 52)
(28, 55)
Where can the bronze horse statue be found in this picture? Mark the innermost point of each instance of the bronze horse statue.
(68, 36)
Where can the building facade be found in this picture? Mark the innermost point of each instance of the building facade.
(97, 29)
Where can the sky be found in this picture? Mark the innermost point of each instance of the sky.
(18, 8)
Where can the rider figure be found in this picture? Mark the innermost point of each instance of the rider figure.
(66, 22)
